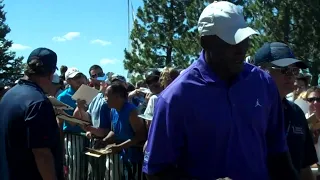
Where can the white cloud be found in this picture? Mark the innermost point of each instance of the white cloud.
(101, 42)
(19, 47)
(106, 61)
(67, 37)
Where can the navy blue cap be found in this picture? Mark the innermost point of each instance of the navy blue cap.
(278, 54)
(46, 56)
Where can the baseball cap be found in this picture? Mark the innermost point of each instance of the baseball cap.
(46, 56)
(278, 54)
(152, 76)
(71, 73)
(56, 78)
(226, 21)
(118, 77)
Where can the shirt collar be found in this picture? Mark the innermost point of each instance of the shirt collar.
(210, 77)
(70, 90)
(30, 83)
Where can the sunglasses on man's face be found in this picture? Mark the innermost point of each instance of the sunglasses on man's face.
(288, 71)
(313, 99)
(97, 75)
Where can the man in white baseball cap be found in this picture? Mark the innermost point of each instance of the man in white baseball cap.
(222, 117)
(226, 21)
(71, 131)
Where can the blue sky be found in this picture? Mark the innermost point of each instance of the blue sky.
(82, 33)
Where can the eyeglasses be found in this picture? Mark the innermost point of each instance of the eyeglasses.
(97, 75)
(288, 71)
(313, 99)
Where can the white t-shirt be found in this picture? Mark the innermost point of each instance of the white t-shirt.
(148, 113)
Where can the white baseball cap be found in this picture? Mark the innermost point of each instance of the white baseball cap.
(71, 73)
(226, 21)
(56, 78)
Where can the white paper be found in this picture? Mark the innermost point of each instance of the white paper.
(58, 104)
(72, 119)
(303, 105)
(86, 93)
(146, 117)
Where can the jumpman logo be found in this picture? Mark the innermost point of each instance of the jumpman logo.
(258, 103)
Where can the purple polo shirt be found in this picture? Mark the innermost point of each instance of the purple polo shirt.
(209, 130)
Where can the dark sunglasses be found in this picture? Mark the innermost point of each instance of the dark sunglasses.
(97, 75)
(288, 71)
(313, 99)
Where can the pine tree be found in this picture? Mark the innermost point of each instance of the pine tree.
(10, 66)
(164, 34)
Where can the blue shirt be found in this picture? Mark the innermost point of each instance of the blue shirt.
(66, 97)
(27, 121)
(123, 131)
(210, 130)
(100, 112)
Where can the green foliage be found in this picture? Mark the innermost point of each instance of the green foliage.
(164, 34)
(295, 23)
(10, 66)
(135, 79)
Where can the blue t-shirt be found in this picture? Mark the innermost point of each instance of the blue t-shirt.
(100, 112)
(65, 97)
(210, 130)
(123, 131)
(27, 121)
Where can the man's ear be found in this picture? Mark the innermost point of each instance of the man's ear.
(50, 77)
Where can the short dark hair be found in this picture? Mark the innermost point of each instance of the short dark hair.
(152, 76)
(35, 68)
(94, 67)
(63, 69)
(130, 87)
(140, 83)
(119, 89)
(304, 80)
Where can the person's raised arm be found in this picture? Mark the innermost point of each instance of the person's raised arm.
(42, 134)
(81, 112)
(165, 141)
(278, 160)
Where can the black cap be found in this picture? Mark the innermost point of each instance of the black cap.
(152, 76)
(278, 54)
(46, 56)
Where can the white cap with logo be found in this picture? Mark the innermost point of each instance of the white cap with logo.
(71, 73)
(226, 21)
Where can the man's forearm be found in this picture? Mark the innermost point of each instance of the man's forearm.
(110, 137)
(131, 142)
(45, 163)
(98, 132)
(280, 167)
(82, 114)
